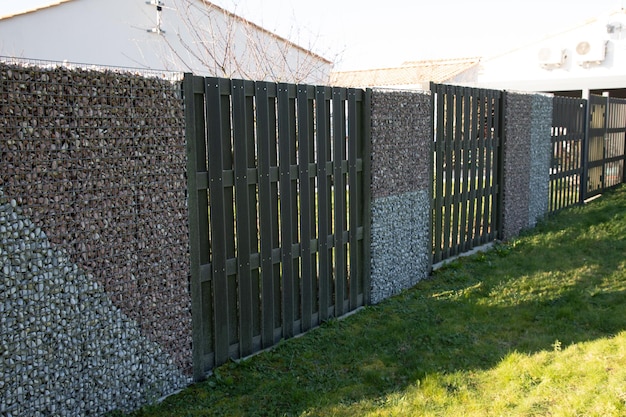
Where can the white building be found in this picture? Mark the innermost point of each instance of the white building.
(411, 75)
(178, 35)
(588, 58)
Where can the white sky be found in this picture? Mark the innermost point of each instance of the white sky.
(360, 34)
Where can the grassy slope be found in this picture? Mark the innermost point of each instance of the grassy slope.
(536, 326)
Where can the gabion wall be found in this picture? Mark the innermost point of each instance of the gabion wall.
(540, 158)
(94, 270)
(94, 297)
(517, 119)
(401, 176)
(527, 147)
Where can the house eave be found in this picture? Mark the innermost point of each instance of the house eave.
(52, 3)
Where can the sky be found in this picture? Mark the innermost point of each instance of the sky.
(364, 34)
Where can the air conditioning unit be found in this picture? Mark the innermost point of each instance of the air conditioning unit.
(590, 52)
(552, 57)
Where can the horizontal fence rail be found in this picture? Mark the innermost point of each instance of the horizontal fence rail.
(279, 214)
(467, 138)
(568, 144)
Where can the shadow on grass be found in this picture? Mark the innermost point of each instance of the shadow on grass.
(563, 283)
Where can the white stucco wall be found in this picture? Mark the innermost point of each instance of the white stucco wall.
(521, 68)
(115, 32)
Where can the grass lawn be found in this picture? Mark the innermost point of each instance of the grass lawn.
(535, 327)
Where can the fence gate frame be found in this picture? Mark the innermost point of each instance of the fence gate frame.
(465, 213)
(569, 147)
(279, 211)
(605, 145)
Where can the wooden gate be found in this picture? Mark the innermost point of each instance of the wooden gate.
(278, 179)
(568, 143)
(605, 145)
(467, 168)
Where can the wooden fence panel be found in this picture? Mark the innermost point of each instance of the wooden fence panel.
(466, 201)
(595, 145)
(568, 140)
(278, 185)
(605, 151)
(614, 142)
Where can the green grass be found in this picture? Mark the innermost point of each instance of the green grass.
(534, 327)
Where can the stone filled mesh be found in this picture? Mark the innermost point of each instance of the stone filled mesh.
(93, 165)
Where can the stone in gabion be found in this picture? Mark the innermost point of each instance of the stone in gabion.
(65, 349)
(401, 249)
(93, 167)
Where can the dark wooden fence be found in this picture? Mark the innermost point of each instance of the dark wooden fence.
(467, 168)
(568, 140)
(605, 148)
(588, 148)
(279, 211)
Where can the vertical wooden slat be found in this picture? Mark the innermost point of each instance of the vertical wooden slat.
(584, 149)
(464, 171)
(440, 140)
(231, 296)
(556, 123)
(353, 200)
(448, 156)
(456, 164)
(285, 141)
(314, 291)
(215, 128)
(339, 195)
(623, 126)
(367, 197)
(322, 132)
(481, 149)
(555, 151)
(568, 109)
(362, 183)
(275, 210)
(473, 195)
(197, 202)
(488, 184)
(242, 208)
(304, 109)
(295, 212)
(560, 183)
(559, 197)
(266, 215)
(498, 168)
(558, 147)
(580, 139)
(253, 214)
(570, 145)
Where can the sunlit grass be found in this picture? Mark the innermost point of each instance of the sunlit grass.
(534, 327)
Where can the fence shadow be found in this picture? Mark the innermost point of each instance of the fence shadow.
(558, 284)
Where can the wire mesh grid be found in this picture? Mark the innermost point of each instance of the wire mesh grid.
(174, 76)
(95, 159)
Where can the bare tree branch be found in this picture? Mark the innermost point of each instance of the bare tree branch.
(224, 44)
